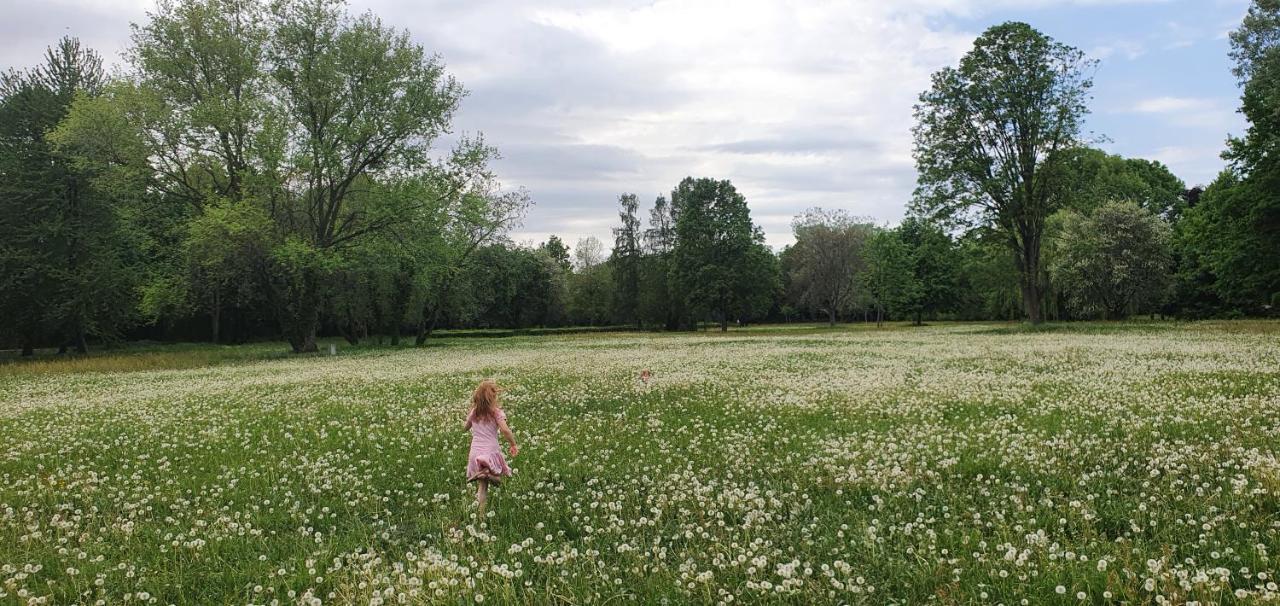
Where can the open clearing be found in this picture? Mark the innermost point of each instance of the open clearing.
(953, 464)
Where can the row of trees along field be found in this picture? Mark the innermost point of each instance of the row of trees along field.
(265, 171)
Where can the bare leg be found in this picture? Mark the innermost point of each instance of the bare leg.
(482, 495)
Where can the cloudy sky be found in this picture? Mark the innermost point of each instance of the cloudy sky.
(800, 103)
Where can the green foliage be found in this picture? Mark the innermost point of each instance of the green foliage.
(1236, 227)
(66, 252)
(988, 278)
(1113, 261)
(558, 251)
(935, 267)
(1227, 258)
(1092, 177)
(890, 278)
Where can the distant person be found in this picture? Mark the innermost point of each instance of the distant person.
(645, 375)
(485, 420)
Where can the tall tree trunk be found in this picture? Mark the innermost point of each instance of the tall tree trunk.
(303, 325)
(82, 346)
(428, 323)
(1028, 257)
(427, 326)
(216, 316)
(831, 316)
(28, 349)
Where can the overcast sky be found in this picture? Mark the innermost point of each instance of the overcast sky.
(799, 103)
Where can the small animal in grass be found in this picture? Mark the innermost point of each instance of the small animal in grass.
(485, 420)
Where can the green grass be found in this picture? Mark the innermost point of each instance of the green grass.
(952, 464)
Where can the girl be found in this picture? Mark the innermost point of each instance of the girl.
(485, 463)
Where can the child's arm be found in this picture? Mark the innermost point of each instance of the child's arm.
(467, 425)
(506, 433)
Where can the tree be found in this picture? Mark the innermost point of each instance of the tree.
(987, 278)
(658, 302)
(220, 246)
(625, 259)
(934, 264)
(990, 134)
(1236, 226)
(477, 212)
(1092, 177)
(826, 258)
(588, 253)
(889, 278)
(66, 255)
(1112, 261)
(720, 262)
(591, 285)
(556, 249)
(337, 135)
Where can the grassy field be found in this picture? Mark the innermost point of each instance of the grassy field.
(948, 464)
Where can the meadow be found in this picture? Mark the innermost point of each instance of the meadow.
(949, 464)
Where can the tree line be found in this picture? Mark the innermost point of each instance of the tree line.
(267, 170)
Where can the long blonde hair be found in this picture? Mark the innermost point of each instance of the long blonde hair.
(485, 400)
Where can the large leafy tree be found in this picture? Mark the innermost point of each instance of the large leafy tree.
(360, 101)
(720, 262)
(827, 256)
(989, 134)
(1113, 261)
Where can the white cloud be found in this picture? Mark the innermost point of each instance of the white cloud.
(1217, 114)
(1166, 105)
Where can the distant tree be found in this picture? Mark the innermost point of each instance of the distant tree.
(625, 259)
(935, 267)
(1113, 261)
(591, 285)
(720, 263)
(659, 301)
(989, 134)
(221, 246)
(476, 212)
(556, 249)
(588, 253)
(889, 278)
(1092, 177)
(660, 237)
(988, 278)
(825, 259)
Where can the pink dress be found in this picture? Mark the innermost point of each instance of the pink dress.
(485, 462)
